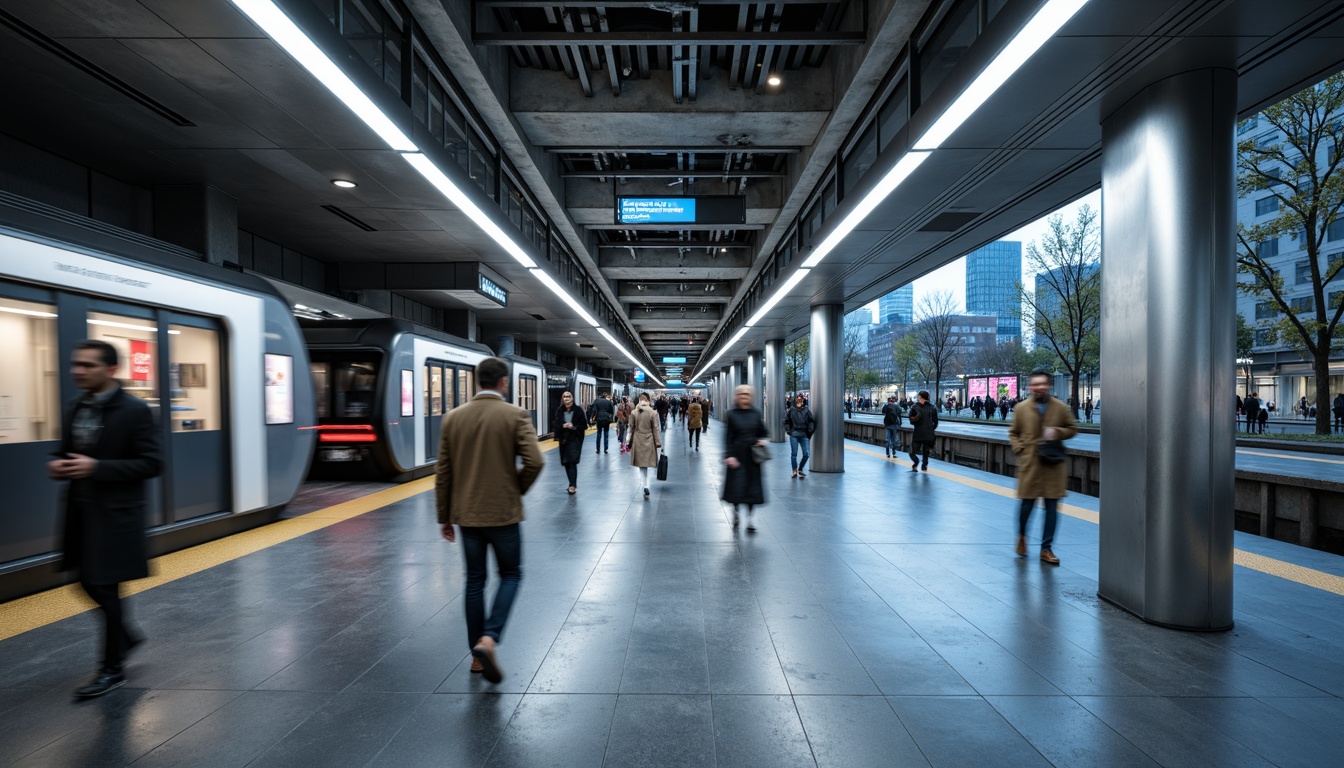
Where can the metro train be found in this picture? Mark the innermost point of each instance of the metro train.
(217, 355)
(383, 387)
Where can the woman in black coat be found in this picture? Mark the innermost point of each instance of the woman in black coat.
(745, 428)
(570, 426)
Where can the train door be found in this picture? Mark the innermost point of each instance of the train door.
(438, 401)
(526, 396)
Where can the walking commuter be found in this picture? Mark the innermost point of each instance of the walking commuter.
(572, 424)
(662, 407)
(1263, 420)
(1302, 407)
(976, 406)
(1337, 407)
(694, 423)
(1087, 409)
(849, 408)
(799, 425)
(924, 419)
(1005, 406)
(744, 429)
(891, 419)
(1041, 424)
(707, 405)
(645, 440)
(622, 422)
(479, 487)
(1251, 407)
(604, 412)
(109, 448)
(990, 407)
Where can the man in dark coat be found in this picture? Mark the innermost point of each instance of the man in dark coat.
(924, 418)
(662, 407)
(109, 448)
(990, 406)
(891, 419)
(1251, 407)
(1337, 406)
(604, 412)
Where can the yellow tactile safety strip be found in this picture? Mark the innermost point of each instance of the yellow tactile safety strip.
(29, 613)
(1296, 573)
(1294, 457)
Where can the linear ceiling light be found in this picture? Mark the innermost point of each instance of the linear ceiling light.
(736, 338)
(578, 308)
(794, 280)
(1047, 21)
(457, 197)
(898, 173)
(607, 335)
(286, 33)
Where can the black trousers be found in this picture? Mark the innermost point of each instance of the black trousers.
(693, 438)
(920, 445)
(572, 472)
(116, 638)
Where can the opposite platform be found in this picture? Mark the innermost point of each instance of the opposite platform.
(878, 617)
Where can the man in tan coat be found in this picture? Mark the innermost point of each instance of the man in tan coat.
(694, 421)
(479, 487)
(1042, 472)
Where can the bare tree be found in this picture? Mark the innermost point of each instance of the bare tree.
(934, 318)
(1006, 356)
(853, 355)
(1303, 174)
(1065, 311)
(795, 360)
(906, 355)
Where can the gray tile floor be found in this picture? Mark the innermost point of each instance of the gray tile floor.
(877, 618)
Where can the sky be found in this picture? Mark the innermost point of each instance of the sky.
(952, 276)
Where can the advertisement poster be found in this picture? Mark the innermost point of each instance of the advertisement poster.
(976, 388)
(142, 360)
(407, 393)
(1004, 386)
(279, 389)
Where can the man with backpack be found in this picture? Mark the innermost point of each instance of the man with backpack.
(891, 419)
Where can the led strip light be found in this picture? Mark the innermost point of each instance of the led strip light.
(1035, 33)
(268, 16)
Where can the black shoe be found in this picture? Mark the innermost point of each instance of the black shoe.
(915, 468)
(646, 493)
(925, 467)
(105, 682)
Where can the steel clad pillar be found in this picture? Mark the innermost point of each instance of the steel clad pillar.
(774, 389)
(1168, 325)
(828, 388)
(754, 373)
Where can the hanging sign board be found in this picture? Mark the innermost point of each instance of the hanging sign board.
(703, 209)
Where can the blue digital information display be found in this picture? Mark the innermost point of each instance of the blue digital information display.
(639, 376)
(674, 360)
(655, 210)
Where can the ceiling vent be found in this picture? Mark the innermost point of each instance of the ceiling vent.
(950, 221)
(350, 218)
(35, 36)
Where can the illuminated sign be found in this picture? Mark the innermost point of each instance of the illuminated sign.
(681, 360)
(674, 382)
(492, 290)
(639, 376)
(702, 209)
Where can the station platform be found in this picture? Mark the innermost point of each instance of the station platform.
(877, 617)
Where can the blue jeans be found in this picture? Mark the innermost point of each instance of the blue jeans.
(1051, 518)
(507, 541)
(893, 438)
(603, 437)
(796, 441)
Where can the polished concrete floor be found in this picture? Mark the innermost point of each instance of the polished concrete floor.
(877, 618)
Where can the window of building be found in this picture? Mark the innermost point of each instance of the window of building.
(30, 408)
(1265, 337)
(1266, 310)
(1302, 272)
(1333, 300)
(860, 158)
(893, 115)
(1268, 249)
(193, 376)
(1267, 204)
(1335, 231)
(940, 55)
(1248, 125)
(1303, 304)
(136, 341)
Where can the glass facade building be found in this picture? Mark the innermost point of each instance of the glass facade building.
(898, 306)
(992, 275)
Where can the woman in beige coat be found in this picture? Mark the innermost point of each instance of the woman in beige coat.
(694, 422)
(645, 440)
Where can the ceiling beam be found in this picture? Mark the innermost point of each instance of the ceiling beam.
(560, 149)
(661, 38)
(672, 173)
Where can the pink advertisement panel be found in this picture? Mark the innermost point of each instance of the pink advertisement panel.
(976, 388)
(1003, 386)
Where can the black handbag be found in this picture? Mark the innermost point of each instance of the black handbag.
(662, 466)
(759, 453)
(1051, 452)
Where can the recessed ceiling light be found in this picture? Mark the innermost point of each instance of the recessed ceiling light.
(773, 80)
(344, 183)
(573, 333)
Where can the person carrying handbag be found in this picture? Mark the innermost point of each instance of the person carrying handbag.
(1040, 426)
(745, 429)
(645, 440)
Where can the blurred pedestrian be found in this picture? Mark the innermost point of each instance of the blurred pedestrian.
(573, 424)
(694, 423)
(1041, 424)
(479, 487)
(745, 430)
(646, 439)
(109, 448)
(924, 419)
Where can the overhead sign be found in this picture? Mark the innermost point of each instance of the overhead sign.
(639, 376)
(674, 360)
(492, 290)
(702, 209)
(674, 382)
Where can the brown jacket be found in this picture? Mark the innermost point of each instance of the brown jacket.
(477, 481)
(694, 416)
(644, 439)
(1034, 479)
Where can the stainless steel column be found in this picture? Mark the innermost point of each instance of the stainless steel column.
(754, 373)
(1168, 348)
(828, 388)
(774, 389)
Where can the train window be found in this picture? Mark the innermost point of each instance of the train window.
(434, 390)
(193, 378)
(29, 392)
(587, 394)
(526, 396)
(466, 381)
(353, 387)
(136, 340)
(321, 388)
